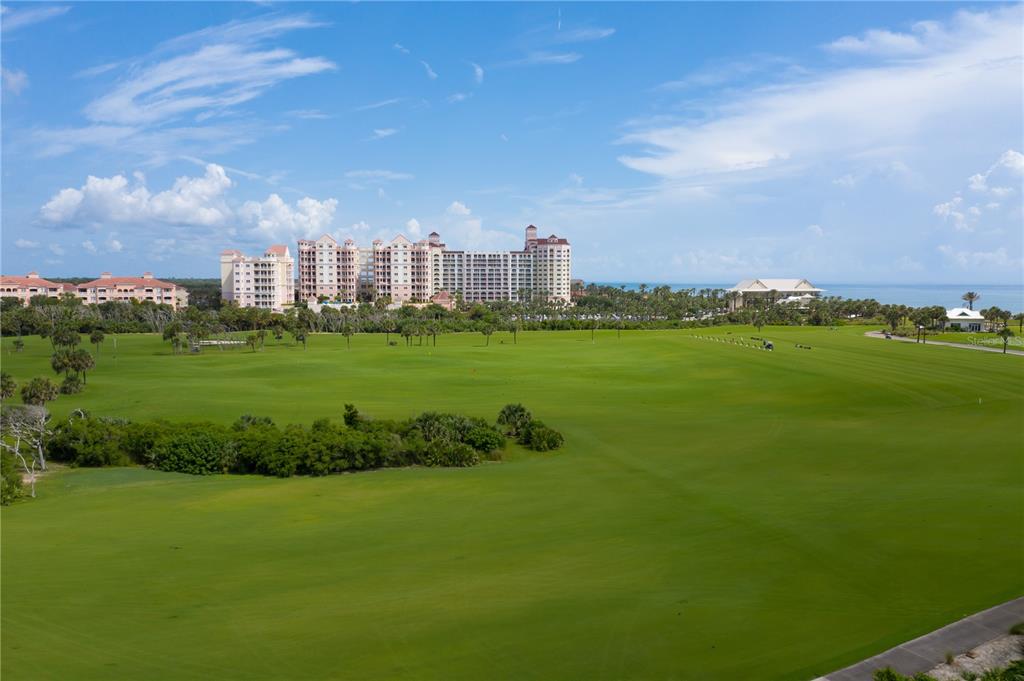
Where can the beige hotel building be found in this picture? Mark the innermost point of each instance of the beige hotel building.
(405, 271)
(267, 281)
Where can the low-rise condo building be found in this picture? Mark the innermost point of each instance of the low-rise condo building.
(24, 288)
(109, 288)
(267, 281)
(408, 271)
(771, 291)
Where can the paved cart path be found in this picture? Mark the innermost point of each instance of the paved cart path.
(930, 650)
(983, 348)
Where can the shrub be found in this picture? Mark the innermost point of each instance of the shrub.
(540, 438)
(198, 449)
(71, 385)
(515, 418)
(1017, 629)
(485, 439)
(89, 442)
(10, 479)
(452, 455)
(138, 440)
(38, 391)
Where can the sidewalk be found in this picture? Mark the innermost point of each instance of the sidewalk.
(983, 348)
(930, 650)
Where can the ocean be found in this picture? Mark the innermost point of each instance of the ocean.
(1008, 297)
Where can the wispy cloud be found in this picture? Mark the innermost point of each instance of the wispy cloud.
(97, 70)
(430, 72)
(377, 105)
(14, 80)
(458, 97)
(205, 74)
(381, 133)
(537, 58)
(580, 35)
(877, 106)
(399, 47)
(25, 15)
(478, 72)
(308, 114)
(378, 175)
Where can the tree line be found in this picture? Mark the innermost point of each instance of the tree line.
(256, 445)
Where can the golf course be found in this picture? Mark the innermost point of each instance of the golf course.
(718, 511)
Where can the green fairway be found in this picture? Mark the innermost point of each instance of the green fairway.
(718, 512)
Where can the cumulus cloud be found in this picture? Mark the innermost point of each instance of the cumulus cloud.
(815, 230)
(964, 218)
(459, 97)
(413, 227)
(458, 208)
(190, 201)
(56, 249)
(278, 220)
(90, 247)
(26, 243)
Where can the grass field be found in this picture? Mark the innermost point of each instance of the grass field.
(718, 512)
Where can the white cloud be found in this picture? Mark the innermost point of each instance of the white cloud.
(907, 264)
(964, 259)
(541, 57)
(413, 227)
(14, 80)
(978, 182)
(25, 16)
(377, 105)
(204, 76)
(879, 42)
(361, 226)
(309, 114)
(1014, 160)
(575, 179)
(277, 220)
(381, 133)
(56, 249)
(815, 230)
(90, 247)
(478, 72)
(581, 35)
(459, 97)
(458, 208)
(25, 243)
(430, 72)
(191, 202)
(378, 175)
(877, 106)
(400, 48)
(848, 181)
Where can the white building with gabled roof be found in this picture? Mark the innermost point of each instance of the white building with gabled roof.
(772, 291)
(964, 319)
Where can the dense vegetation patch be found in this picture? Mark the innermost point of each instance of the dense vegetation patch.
(1013, 672)
(257, 445)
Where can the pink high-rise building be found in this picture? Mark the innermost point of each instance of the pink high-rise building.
(267, 281)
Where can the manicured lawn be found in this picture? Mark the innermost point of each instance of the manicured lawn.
(718, 513)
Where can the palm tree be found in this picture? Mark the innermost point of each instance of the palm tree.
(970, 298)
(1020, 321)
(96, 338)
(1006, 334)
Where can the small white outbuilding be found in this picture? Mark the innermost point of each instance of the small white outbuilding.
(964, 319)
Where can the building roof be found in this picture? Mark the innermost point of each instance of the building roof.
(780, 285)
(15, 280)
(230, 251)
(278, 249)
(137, 282)
(964, 314)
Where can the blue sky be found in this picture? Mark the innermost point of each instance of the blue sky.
(871, 142)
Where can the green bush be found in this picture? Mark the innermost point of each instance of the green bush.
(198, 449)
(485, 439)
(452, 455)
(10, 479)
(71, 385)
(89, 442)
(540, 438)
(515, 418)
